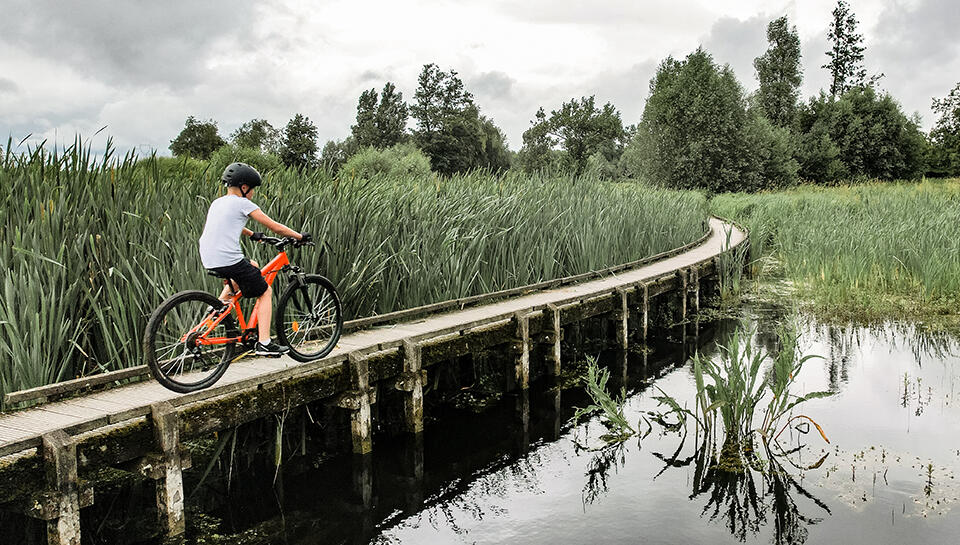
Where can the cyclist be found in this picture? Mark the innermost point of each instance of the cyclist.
(220, 247)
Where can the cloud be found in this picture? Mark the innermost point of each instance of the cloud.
(134, 42)
(737, 43)
(8, 86)
(494, 85)
(917, 47)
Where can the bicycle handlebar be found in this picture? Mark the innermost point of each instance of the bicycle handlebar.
(281, 243)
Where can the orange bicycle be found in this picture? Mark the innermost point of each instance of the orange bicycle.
(192, 337)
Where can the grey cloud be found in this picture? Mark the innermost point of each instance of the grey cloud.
(131, 42)
(737, 43)
(8, 86)
(494, 85)
(662, 15)
(918, 48)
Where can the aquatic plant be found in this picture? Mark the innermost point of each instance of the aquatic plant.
(608, 407)
(90, 244)
(867, 251)
(743, 383)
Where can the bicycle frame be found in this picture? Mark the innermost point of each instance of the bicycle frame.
(269, 272)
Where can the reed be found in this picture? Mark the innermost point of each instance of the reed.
(89, 245)
(868, 251)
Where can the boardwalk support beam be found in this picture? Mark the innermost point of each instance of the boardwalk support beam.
(646, 312)
(166, 468)
(555, 336)
(622, 317)
(61, 509)
(522, 369)
(411, 382)
(358, 400)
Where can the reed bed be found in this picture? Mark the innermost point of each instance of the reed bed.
(871, 251)
(89, 246)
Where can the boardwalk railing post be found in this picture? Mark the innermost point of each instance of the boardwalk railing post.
(168, 470)
(556, 333)
(522, 372)
(358, 401)
(411, 381)
(60, 467)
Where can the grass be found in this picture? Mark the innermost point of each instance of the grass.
(865, 252)
(90, 246)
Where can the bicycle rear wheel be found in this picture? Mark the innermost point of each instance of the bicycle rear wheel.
(309, 318)
(170, 346)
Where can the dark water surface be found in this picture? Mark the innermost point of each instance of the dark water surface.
(519, 472)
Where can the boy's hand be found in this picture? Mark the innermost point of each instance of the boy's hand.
(305, 237)
(256, 236)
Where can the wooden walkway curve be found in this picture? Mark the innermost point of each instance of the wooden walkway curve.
(144, 421)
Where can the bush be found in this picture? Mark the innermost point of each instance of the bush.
(400, 160)
(231, 153)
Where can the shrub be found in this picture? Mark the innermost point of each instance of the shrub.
(400, 160)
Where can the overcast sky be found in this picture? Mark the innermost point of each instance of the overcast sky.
(140, 68)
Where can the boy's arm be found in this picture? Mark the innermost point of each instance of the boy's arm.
(274, 226)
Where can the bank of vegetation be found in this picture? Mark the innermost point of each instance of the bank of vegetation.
(90, 247)
(868, 251)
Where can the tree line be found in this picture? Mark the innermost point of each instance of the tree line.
(699, 128)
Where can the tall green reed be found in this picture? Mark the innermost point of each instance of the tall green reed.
(90, 245)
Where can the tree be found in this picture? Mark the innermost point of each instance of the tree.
(696, 132)
(380, 124)
(944, 152)
(496, 155)
(449, 130)
(337, 152)
(299, 145)
(581, 129)
(846, 54)
(861, 134)
(198, 139)
(779, 74)
(257, 134)
(537, 155)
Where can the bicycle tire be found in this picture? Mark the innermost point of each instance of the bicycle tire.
(162, 344)
(324, 319)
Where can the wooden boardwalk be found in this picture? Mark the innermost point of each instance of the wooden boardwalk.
(141, 420)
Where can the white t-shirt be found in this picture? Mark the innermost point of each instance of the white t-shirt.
(220, 241)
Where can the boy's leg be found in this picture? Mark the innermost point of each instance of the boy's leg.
(264, 314)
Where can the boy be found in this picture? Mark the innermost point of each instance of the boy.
(220, 247)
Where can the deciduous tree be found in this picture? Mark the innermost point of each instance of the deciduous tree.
(779, 74)
(944, 153)
(382, 122)
(198, 139)
(846, 54)
(257, 134)
(299, 146)
(449, 130)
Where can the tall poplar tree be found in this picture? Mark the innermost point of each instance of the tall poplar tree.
(780, 74)
(381, 121)
(846, 54)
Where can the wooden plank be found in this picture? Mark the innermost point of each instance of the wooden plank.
(75, 384)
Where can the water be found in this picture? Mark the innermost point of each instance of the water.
(523, 472)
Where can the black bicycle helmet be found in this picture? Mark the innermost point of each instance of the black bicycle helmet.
(240, 174)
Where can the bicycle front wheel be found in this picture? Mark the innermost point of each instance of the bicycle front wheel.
(174, 343)
(309, 318)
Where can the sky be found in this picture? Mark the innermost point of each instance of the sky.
(140, 68)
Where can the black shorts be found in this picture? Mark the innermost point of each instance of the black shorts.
(247, 277)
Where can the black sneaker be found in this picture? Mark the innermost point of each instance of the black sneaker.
(271, 350)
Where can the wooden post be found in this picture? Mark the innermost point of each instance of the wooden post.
(646, 312)
(683, 308)
(411, 382)
(556, 334)
(523, 420)
(522, 369)
(60, 467)
(358, 402)
(168, 469)
(622, 324)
